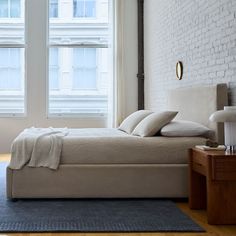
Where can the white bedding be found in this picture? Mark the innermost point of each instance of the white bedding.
(37, 147)
(127, 149)
(97, 146)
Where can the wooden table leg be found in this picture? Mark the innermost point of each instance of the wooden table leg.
(221, 206)
(197, 189)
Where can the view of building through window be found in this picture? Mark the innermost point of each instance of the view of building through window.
(10, 9)
(84, 8)
(78, 65)
(12, 60)
(78, 57)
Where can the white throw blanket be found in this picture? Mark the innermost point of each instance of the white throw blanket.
(37, 147)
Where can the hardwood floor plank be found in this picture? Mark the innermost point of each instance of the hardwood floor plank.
(4, 157)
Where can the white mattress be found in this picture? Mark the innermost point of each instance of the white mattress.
(112, 146)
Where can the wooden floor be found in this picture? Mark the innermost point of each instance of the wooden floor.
(197, 216)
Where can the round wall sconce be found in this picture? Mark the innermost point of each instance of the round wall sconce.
(179, 70)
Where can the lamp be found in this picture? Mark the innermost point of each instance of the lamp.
(228, 117)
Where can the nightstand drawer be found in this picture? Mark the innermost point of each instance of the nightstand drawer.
(199, 163)
(224, 168)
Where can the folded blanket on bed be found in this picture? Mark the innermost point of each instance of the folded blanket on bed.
(37, 147)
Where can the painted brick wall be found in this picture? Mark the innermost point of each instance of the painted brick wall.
(200, 33)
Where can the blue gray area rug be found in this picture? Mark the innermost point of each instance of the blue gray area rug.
(94, 215)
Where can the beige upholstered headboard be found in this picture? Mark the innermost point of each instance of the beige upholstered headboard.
(198, 103)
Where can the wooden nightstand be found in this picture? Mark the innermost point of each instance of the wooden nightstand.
(213, 184)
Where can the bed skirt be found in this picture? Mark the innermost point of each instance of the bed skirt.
(100, 181)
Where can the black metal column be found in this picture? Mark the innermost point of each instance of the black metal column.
(140, 74)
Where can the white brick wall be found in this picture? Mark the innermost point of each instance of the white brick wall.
(200, 33)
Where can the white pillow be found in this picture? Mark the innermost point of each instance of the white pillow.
(132, 120)
(183, 128)
(150, 125)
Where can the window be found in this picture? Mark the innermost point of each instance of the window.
(53, 69)
(10, 69)
(84, 8)
(84, 70)
(12, 58)
(10, 8)
(78, 75)
(53, 10)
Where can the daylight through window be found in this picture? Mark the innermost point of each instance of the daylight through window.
(12, 58)
(78, 65)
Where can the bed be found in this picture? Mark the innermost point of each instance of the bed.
(108, 163)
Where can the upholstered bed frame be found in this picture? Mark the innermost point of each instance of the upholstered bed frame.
(123, 180)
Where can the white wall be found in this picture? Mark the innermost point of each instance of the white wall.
(131, 56)
(10, 127)
(201, 34)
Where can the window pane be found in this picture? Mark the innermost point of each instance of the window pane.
(10, 8)
(84, 8)
(53, 69)
(84, 74)
(90, 57)
(83, 86)
(10, 67)
(89, 8)
(53, 75)
(53, 9)
(11, 80)
(78, 7)
(13, 33)
(70, 31)
(14, 8)
(15, 57)
(79, 84)
(78, 59)
(84, 79)
(3, 8)
(4, 54)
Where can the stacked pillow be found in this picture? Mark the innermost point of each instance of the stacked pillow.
(129, 124)
(145, 123)
(150, 125)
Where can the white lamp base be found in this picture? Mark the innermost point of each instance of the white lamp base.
(230, 136)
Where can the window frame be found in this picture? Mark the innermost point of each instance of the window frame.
(75, 45)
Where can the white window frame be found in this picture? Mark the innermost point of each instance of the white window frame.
(36, 68)
(20, 46)
(71, 45)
